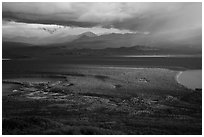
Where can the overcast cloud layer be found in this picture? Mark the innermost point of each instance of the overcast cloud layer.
(178, 21)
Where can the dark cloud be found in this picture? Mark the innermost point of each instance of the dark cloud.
(41, 19)
(166, 20)
(132, 16)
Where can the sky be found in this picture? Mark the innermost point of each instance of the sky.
(160, 22)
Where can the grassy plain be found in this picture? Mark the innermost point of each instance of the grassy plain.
(100, 100)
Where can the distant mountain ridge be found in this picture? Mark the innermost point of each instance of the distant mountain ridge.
(88, 34)
(112, 40)
(90, 44)
(52, 39)
(85, 40)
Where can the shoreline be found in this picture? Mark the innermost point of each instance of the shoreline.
(177, 76)
(179, 82)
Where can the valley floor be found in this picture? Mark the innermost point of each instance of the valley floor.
(100, 100)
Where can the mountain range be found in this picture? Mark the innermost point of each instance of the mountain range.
(88, 44)
(51, 39)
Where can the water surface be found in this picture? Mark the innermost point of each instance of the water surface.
(34, 79)
(161, 56)
(191, 79)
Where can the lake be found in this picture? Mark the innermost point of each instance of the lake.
(56, 64)
(162, 56)
(191, 79)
